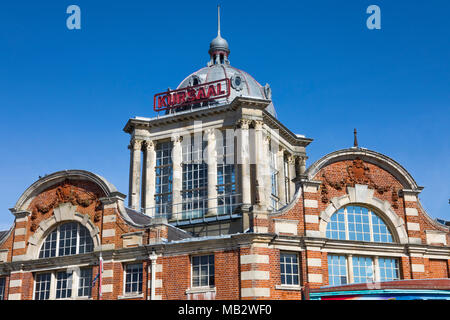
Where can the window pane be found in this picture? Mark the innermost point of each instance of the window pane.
(203, 270)
(289, 269)
(133, 283)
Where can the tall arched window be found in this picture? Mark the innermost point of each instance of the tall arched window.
(67, 239)
(358, 223)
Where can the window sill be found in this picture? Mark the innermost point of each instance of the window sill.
(200, 290)
(131, 296)
(286, 287)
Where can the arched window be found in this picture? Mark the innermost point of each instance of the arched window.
(358, 223)
(67, 239)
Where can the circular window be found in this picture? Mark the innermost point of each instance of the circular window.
(237, 82)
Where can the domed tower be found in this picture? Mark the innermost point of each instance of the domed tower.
(242, 84)
(217, 152)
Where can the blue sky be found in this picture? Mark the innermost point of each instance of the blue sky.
(66, 95)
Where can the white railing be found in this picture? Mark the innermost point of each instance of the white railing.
(197, 208)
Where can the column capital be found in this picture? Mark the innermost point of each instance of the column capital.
(291, 158)
(210, 133)
(244, 123)
(149, 144)
(258, 124)
(135, 144)
(177, 138)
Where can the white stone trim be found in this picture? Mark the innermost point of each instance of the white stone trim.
(255, 275)
(410, 197)
(255, 292)
(415, 240)
(314, 262)
(413, 226)
(15, 283)
(411, 212)
(20, 231)
(158, 268)
(260, 229)
(310, 218)
(108, 273)
(315, 278)
(313, 233)
(434, 236)
(109, 233)
(19, 245)
(285, 226)
(254, 258)
(15, 296)
(309, 203)
(107, 288)
(417, 267)
(108, 246)
(109, 218)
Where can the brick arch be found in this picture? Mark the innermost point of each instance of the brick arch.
(65, 212)
(361, 195)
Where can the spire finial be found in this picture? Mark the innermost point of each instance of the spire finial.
(355, 141)
(218, 20)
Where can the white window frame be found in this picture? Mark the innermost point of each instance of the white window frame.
(76, 271)
(209, 286)
(370, 214)
(125, 272)
(58, 233)
(298, 270)
(375, 266)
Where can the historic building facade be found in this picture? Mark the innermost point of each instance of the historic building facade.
(221, 205)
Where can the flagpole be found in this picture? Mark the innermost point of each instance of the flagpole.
(100, 265)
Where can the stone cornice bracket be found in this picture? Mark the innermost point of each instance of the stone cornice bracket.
(112, 199)
(410, 192)
(303, 181)
(20, 213)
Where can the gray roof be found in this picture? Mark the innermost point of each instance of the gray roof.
(249, 88)
(3, 234)
(140, 219)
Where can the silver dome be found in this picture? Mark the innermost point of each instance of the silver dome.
(242, 84)
(218, 43)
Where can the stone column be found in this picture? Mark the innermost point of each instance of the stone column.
(280, 176)
(303, 165)
(244, 161)
(212, 172)
(267, 171)
(261, 150)
(292, 175)
(148, 195)
(177, 177)
(135, 173)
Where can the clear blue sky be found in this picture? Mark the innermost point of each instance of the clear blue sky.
(66, 95)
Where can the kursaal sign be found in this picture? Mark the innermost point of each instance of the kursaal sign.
(191, 95)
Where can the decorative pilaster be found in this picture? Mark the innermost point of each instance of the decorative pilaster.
(292, 176)
(212, 171)
(244, 161)
(135, 173)
(177, 176)
(148, 201)
(280, 177)
(265, 160)
(412, 215)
